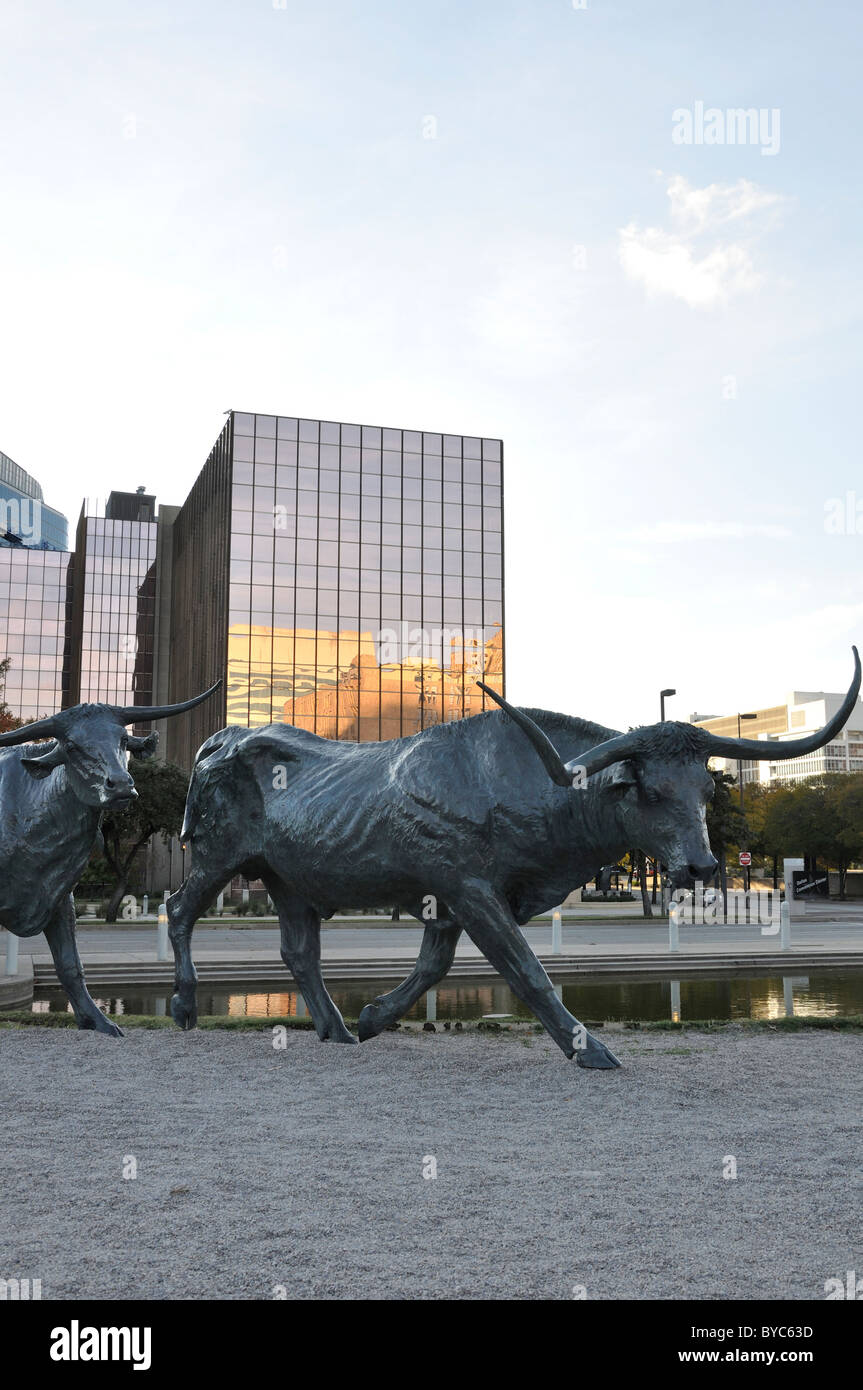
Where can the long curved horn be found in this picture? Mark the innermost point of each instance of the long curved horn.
(144, 714)
(592, 760)
(40, 728)
(751, 749)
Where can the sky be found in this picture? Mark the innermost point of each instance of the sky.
(528, 219)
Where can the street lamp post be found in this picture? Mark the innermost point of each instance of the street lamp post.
(740, 780)
(663, 695)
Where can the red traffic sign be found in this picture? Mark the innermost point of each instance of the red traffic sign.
(745, 858)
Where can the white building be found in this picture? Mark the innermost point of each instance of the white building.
(804, 712)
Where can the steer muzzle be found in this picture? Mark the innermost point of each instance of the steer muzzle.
(698, 870)
(117, 792)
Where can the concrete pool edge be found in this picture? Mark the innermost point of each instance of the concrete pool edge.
(121, 971)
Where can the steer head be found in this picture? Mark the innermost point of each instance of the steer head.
(92, 743)
(656, 781)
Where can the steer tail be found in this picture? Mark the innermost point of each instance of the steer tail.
(206, 763)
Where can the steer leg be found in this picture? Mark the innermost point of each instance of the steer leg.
(60, 935)
(489, 923)
(435, 958)
(301, 951)
(184, 908)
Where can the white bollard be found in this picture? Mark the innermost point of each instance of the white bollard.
(220, 904)
(785, 927)
(556, 933)
(162, 934)
(431, 1006)
(145, 905)
(673, 927)
(11, 953)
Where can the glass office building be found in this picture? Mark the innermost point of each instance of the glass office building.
(353, 574)
(35, 597)
(35, 630)
(114, 603)
(25, 520)
(344, 578)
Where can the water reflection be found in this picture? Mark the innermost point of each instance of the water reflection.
(360, 685)
(827, 994)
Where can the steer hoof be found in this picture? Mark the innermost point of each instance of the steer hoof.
(337, 1032)
(99, 1024)
(184, 1015)
(369, 1025)
(595, 1055)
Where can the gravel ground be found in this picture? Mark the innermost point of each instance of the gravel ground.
(303, 1168)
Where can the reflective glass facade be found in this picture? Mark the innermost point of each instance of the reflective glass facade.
(114, 611)
(366, 576)
(35, 629)
(24, 517)
(344, 578)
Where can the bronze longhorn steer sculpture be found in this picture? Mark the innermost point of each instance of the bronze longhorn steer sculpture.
(52, 797)
(464, 816)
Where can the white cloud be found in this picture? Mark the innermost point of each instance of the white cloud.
(677, 262)
(704, 209)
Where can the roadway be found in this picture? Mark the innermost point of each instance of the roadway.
(842, 930)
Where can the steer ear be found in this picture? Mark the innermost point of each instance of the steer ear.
(143, 747)
(622, 776)
(46, 762)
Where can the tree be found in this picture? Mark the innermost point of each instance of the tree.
(819, 820)
(726, 825)
(848, 795)
(7, 718)
(639, 860)
(157, 810)
(758, 801)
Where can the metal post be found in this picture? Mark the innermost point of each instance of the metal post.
(556, 933)
(145, 905)
(431, 1005)
(301, 1011)
(673, 927)
(785, 927)
(220, 904)
(162, 934)
(11, 953)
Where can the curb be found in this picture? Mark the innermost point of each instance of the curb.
(122, 973)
